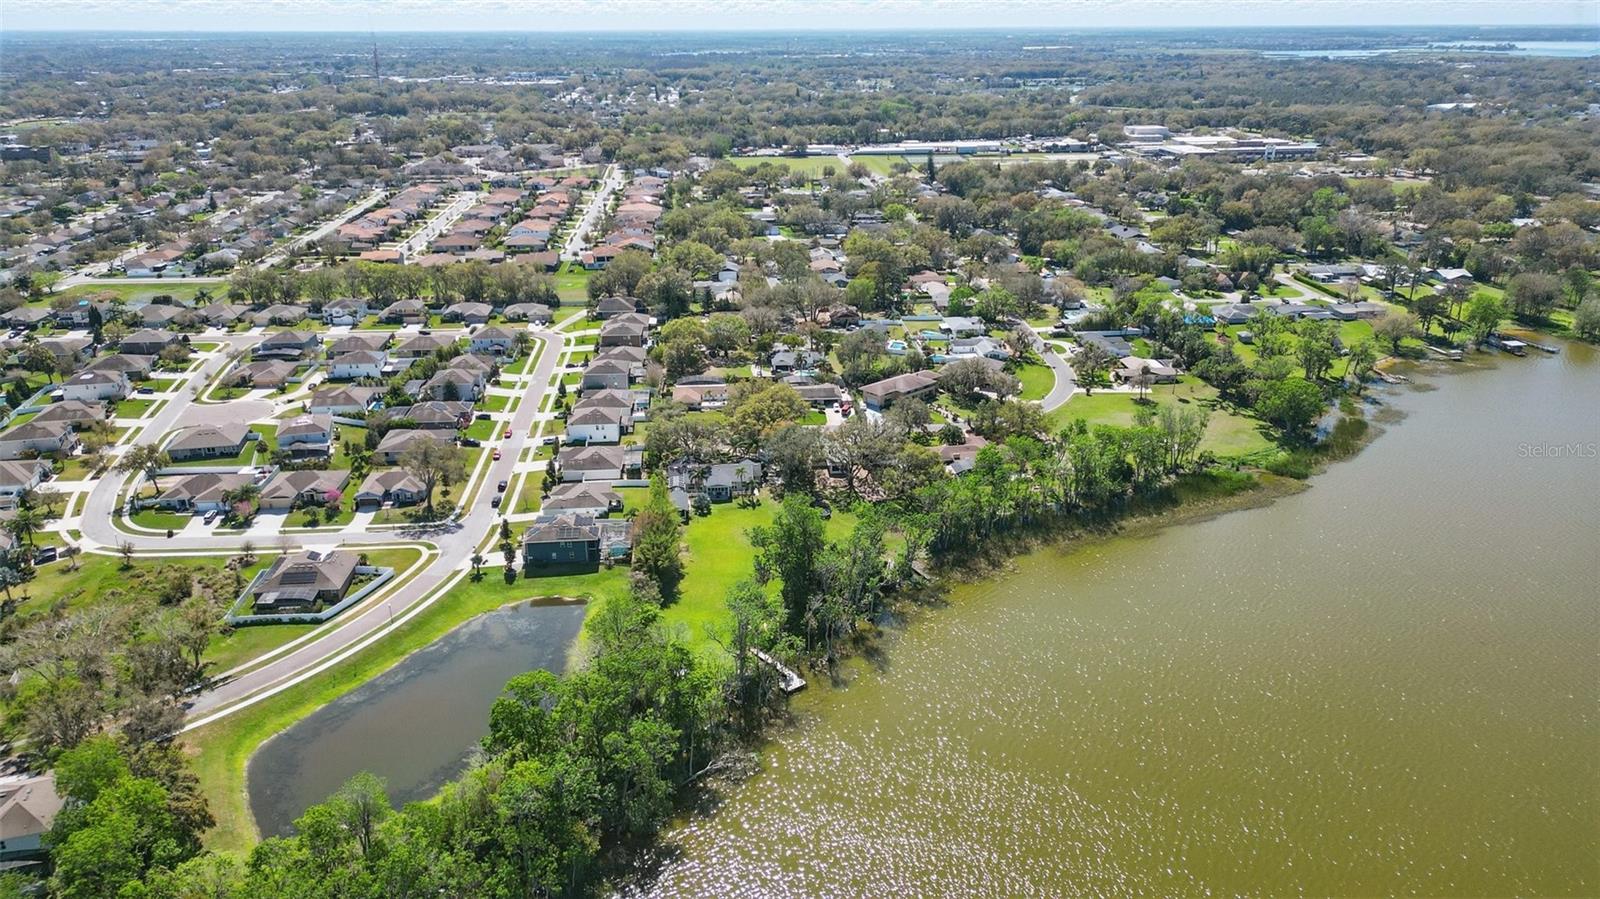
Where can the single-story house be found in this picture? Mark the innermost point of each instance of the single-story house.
(1129, 368)
(77, 413)
(397, 440)
(469, 313)
(209, 442)
(593, 500)
(537, 313)
(351, 401)
(987, 347)
(268, 374)
(304, 580)
(288, 489)
(719, 483)
(611, 307)
(880, 395)
(436, 415)
(962, 326)
(288, 345)
(391, 487)
(135, 367)
(405, 312)
(200, 492)
(148, 342)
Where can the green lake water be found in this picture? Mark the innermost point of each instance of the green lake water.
(1389, 683)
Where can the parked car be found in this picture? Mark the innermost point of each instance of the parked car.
(495, 503)
(552, 440)
(145, 390)
(482, 416)
(211, 516)
(471, 441)
(45, 554)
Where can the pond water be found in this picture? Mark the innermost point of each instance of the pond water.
(1385, 684)
(417, 724)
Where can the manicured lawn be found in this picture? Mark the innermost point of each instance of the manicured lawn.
(1228, 434)
(248, 456)
(482, 430)
(1037, 379)
(528, 495)
(352, 434)
(806, 166)
(883, 165)
(133, 408)
(159, 520)
(495, 402)
(239, 645)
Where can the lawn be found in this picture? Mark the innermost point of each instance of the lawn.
(247, 456)
(572, 284)
(134, 408)
(1037, 379)
(159, 520)
(884, 165)
(145, 291)
(1229, 434)
(528, 493)
(495, 402)
(221, 750)
(482, 430)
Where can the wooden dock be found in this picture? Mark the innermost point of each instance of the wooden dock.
(1453, 355)
(792, 681)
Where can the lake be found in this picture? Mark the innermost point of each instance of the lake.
(1558, 49)
(417, 724)
(1384, 684)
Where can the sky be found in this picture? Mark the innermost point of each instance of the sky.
(745, 15)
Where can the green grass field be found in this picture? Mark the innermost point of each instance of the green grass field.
(1037, 380)
(1228, 435)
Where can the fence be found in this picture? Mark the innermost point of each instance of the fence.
(384, 575)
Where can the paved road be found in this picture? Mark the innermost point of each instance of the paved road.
(438, 225)
(1066, 379)
(455, 540)
(322, 230)
(610, 183)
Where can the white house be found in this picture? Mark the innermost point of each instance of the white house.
(594, 425)
(97, 385)
(357, 364)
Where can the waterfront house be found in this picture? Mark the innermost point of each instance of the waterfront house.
(304, 580)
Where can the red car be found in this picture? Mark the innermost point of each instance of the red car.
(507, 434)
(497, 455)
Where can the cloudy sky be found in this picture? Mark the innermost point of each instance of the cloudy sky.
(704, 15)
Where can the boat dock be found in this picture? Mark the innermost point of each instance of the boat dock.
(1454, 355)
(792, 681)
(1507, 344)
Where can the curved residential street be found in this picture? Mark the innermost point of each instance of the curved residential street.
(449, 544)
